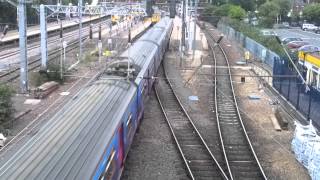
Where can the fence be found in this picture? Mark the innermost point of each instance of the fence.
(294, 90)
(291, 88)
(258, 50)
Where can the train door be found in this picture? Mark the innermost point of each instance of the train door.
(148, 81)
(121, 146)
(110, 171)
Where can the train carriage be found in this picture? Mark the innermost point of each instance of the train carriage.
(90, 136)
(310, 62)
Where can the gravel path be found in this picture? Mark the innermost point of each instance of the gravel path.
(153, 153)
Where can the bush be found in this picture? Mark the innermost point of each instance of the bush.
(52, 74)
(254, 33)
(36, 78)
(6, 105)
(233, 11)
(236, 12)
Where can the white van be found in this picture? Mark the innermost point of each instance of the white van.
(309, 27)
(2, 140)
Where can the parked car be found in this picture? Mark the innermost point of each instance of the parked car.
(266, 32)
(309, 27)
(293, 45)
(280, 26)
(309, 48)
(289, 39)
(295, 24)
(286, 24)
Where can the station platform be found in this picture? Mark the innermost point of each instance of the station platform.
(13, 35)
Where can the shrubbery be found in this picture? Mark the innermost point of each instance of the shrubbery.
(233, 11)
(6, 106)
(255, 34)
(52, 74)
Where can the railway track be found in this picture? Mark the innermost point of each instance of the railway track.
(199, 160)
(36, 63)
(53, 33)
(240, 157)
(53, 41)
(14, 73)
(32, 127)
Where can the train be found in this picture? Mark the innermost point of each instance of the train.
(116, 19)
(90, 136)
(155, 18)
(310, 63)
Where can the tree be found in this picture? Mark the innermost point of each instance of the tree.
(233, 11)
(218, 2)
(209, 10)
(236, 12)
(248, 5)
(284, 8)
(312, 13)
(223, 10)
(268, 13)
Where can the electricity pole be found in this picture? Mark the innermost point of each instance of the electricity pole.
(195, 16)
(183, 28)
(22, 45)
(80, 28)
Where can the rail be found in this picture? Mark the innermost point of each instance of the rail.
(196, 154)
(228, 116)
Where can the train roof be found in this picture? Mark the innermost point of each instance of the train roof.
(141, 50)
(71, 144)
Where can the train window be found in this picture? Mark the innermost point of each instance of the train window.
(314, 78)
(318, 81)
(129, 125)
(110, 168)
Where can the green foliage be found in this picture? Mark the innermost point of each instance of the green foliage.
(236, 12)
(52, 74)
(312, 13)
(222, 10)
(209, 10)
(284, 7)
(268, 13)
(248, 5)
(233, 11)
(255, 34)
(36, 78)
(6, 107)
(218, 2)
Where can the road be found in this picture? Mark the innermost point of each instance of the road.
(310, 37)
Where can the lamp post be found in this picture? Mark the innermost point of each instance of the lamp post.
(293, 64)
(128, 70)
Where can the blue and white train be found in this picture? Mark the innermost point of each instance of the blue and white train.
(90, 136)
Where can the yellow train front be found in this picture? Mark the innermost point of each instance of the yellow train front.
(155, 18)
(311, 63)
(116, 19)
